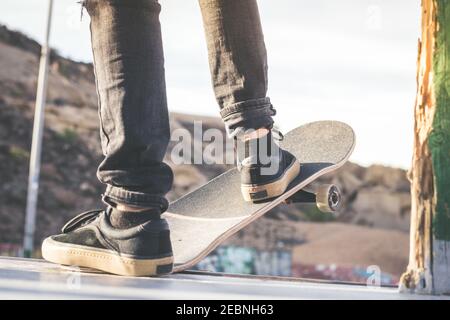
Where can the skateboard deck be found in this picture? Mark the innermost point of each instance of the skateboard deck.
(201, 220)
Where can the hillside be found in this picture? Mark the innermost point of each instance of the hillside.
(376, 215)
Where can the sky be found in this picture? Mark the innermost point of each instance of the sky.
(347, 60)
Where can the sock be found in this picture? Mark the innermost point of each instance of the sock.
(128, 219)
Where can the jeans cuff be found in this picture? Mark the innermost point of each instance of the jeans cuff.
(134, 198)
(250, 114)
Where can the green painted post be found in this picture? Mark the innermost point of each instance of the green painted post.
(429, 261)
(439, 141)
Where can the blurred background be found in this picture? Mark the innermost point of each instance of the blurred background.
(352, 60)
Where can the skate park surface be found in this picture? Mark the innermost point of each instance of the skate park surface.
(37, 279)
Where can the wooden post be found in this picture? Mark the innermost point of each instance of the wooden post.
(429, 260)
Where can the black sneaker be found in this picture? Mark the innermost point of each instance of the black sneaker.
(266, 169)
(90, 240)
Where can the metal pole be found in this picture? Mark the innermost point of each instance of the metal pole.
(36, 145)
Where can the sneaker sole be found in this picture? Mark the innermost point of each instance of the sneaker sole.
(104, 260)
(273, 189)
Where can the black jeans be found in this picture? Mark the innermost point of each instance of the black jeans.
(129, 69)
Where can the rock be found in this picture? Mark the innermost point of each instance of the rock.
(83, 160)
(392, 178)
(65, 197)
(348, 182)
(49, 170)
(379, 207)
(86, 187)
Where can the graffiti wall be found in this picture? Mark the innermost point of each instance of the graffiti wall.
(10, 250)
(245, 260)
(242, 260)
(371, 275)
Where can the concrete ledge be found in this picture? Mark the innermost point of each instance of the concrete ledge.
(37, 279)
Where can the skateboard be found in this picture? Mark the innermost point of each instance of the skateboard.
(201, 220)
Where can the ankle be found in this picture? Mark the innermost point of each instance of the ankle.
(123, 219)
(255, 134)
(256, 148)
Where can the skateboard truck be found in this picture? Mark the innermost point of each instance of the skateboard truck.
(327, 198)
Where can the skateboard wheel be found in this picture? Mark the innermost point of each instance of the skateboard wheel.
(328, 198)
